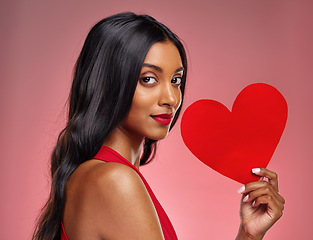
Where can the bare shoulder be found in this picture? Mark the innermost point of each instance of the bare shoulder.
(101, 176)
(109, 200)
(110, 181)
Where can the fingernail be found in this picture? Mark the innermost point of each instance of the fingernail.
(253, 203)
(256, 170)
(245, 198)
(240, 190)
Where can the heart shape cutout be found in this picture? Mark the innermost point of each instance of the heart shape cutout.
(232, 143)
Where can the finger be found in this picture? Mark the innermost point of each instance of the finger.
(272, 207)
(253, 195)
(270, 175)
(265, 188)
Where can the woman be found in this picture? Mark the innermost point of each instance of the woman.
(126, 95)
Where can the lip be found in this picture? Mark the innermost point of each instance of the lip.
(164, 118)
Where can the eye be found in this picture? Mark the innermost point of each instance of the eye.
(148, 80)
(177, 81)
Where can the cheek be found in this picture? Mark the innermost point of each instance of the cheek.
(144, 98)
(141, 104)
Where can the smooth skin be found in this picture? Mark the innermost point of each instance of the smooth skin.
(109, 200)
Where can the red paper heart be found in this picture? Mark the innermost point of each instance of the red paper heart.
(232, 143)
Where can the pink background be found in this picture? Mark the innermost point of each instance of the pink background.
(231, 44)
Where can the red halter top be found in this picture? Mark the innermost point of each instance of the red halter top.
(109, 155)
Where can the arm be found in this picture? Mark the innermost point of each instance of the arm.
(261, 206)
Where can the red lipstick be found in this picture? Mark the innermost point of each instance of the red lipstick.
(164, 119)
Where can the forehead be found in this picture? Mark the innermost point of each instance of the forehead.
(164, 54)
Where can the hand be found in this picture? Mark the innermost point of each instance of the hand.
(261, 205)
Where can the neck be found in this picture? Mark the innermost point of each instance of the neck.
(126, 145)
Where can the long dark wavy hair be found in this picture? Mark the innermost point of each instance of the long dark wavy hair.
(105, 78)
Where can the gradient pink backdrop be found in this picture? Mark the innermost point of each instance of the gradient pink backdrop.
(230, 44)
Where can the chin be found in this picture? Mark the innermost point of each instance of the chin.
(159, 136)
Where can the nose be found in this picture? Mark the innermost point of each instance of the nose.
(170, 95)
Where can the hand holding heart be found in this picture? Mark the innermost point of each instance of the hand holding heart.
(261, 205)
(233, 143)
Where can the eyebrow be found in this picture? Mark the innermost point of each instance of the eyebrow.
(160, 69)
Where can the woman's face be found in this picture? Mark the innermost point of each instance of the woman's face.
(157, 95)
